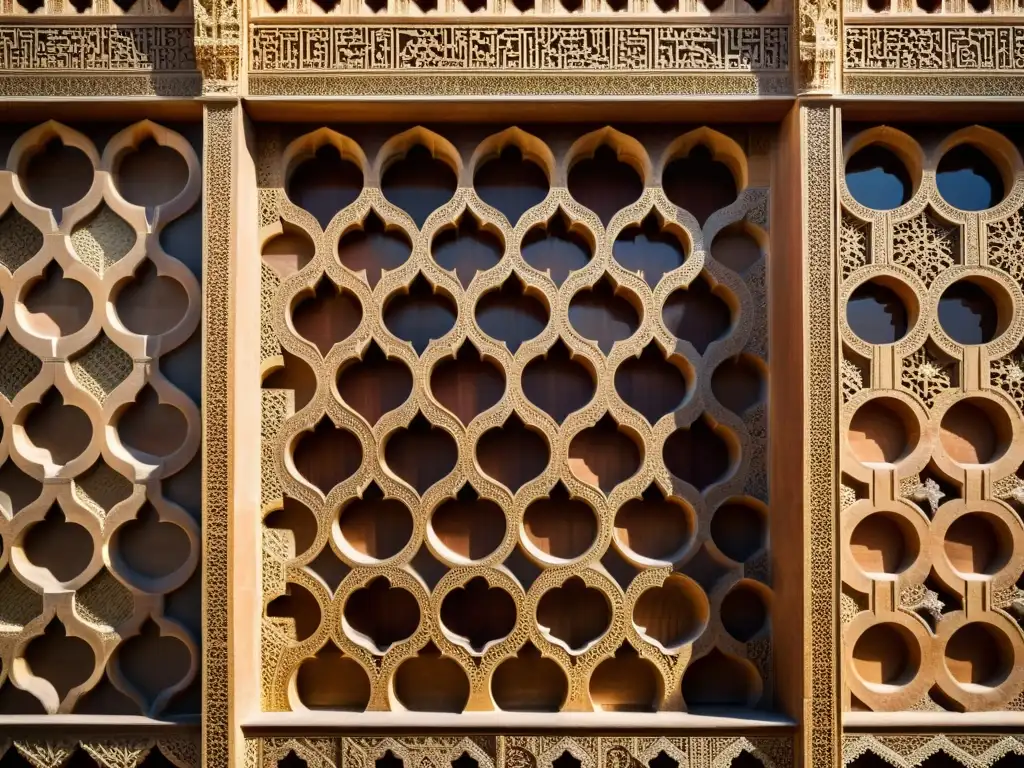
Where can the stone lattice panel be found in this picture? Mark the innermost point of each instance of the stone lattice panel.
(99, 469)
(514, 446)
(931, 532)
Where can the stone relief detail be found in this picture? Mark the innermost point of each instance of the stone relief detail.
(925, 245)
(925, 374)
(97, 48)
(555, 384)
(179, 751)
(818, 30)
(98, 489)
(911, 751)
(877, 48)
(470, 11)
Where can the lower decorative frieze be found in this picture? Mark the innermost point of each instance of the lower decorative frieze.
(129, 752)
(912, 750)
(522, 751)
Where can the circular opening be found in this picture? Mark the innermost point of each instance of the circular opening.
(57, 176)
(574, 615)
(876, 313)
(968, 179)
(625, 683)
(698, 454)
(886, 655)
(978, 544)
(529, 682)
(979, 655)
(883, 431)
(673, 614)
(878, 179)
(739, 384)
(738, 530)
(975, 431)
(478, 613)
(884, 544)
(381, 614)
(968, 313)
(331, 680)
(325, 183)
(149, 162)
(744, 612)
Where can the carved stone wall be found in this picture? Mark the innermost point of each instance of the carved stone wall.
(538, 362)
(931, 327)
(99, 482)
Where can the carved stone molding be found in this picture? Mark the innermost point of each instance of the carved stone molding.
(910, 751)
(818, 30)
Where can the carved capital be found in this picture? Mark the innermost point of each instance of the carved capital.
(218, 61)
(818, 42)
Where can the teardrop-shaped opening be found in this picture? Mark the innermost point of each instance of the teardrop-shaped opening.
(430, 682)
(57, 176)
(744, 612)
(697, 315)
(382, 614)
(288, 252)
(717, 680)
(697, 455)
(374, 249)
(511, 314)
(968, 179)
(625, 683)
(469, 526)
(529, 682)
(649, 249)
(325, 183)
(739, 530)
(332, 681)
(655, 527)
(479, 613)
(560, 527)
(467, 385)
(327, 455)
(61, 431)
(149, 547)
(295, 375)
(574, 614)
(558, 384)
(419, 183)
(58, 545)
(511, 183)
(56, 306)
(739, 384)
(375, 384)
(419, 314)
(149, 428)
(672, 614)
(602, 314)
(296, 518)
(512, 454)
(300, 609)
(152, 662)
(605, 184)
(603, 455)
(555, 247)
(329, 316)
(650, 384)
(467, 248)
(150, 304)
(699, 184)
(374, 526)
(421, 454)
(151, 174)
(62, 660)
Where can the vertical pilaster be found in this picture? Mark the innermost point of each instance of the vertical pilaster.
(823, 658)
(219, 159)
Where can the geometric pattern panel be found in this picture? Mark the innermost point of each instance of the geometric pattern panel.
(99, 392)
(514, 419)
(931, 247)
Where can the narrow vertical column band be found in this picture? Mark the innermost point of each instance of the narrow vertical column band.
(218, 156)
(821, 466)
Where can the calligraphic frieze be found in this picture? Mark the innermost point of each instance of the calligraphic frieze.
(536, 48)
(97, 47)
(973, 49)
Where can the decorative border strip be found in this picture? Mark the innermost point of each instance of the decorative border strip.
(819, 139)
(919, 84)
(73, 85)
(605, 85)
(535, 48)
(973, 49)
(97, 47)
(910, 750)
(218, 223)
(490, 751)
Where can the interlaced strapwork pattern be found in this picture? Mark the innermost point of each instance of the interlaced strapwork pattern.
(99, 481)
(538, 370)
